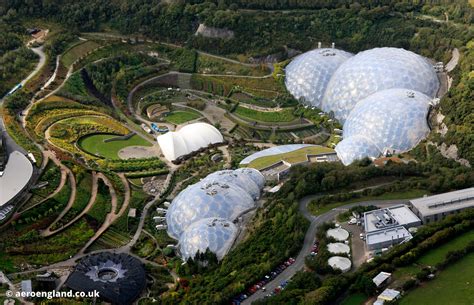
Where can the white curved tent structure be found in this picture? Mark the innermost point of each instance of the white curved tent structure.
(190, 138)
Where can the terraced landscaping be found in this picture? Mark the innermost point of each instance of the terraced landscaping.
(77, 51)
(96, 145)
(285, 115)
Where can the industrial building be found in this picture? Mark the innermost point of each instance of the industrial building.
(388, 226)
(434, 208)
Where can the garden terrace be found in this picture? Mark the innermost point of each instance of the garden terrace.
(78, 51)
(65, 133)
(212, 65)
(293, 157)
(100, 145)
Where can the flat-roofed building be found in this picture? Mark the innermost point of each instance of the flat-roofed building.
(388, 226)
(399, 215)
(386, 238)
(437, 207)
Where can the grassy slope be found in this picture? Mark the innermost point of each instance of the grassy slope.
(180, 117)
(453, 286)
(291, 157)
(95, 144)
(286, 115)
(77, 51)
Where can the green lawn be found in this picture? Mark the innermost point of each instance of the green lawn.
(285, 115)
(94, 144)
(180, 117)
(453, 286)
(295, 156)
(354, 299)
(437, 255)
(78, 51)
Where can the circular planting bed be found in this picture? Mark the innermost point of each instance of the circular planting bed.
(100, 145)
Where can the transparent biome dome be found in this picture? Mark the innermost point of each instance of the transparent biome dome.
(204, 200)
(215, 234)
(243, 179)
(393, 120)
(375, 70)
(356, 148)
(307, 76)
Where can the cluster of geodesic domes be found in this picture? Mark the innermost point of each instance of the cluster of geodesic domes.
(381, 96)
(202, 216)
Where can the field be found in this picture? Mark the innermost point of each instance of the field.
(286, 115)
(296, 156)
(94, 144)
(77, 51)
(453, 286)
(180, 117)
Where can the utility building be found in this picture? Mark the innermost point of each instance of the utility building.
(434, 208)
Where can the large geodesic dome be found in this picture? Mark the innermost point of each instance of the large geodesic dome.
(215, 234)
(375, 70)
(203, 200)
(356, 148)
(220, 199)
(393, 120)
(307, 76)
(248, 179)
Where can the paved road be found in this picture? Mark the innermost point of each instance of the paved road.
(454, 60)
(310, 237)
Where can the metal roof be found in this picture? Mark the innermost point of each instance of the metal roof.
(445, 202)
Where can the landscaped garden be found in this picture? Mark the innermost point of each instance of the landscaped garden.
(285, 115)
(77, 51)
(96, 144)
(295, 156)
(180, 117)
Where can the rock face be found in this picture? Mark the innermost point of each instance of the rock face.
(211, 32)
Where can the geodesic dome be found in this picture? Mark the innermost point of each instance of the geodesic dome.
(249, 179)
(307, 76)
(375, 70)
(215, 234)
(204, 200)
(356, 148)
(394, 120)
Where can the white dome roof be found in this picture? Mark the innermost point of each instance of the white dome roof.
(375, 70)
(190, 138)
(393, 119)
(215, 234)
(339, 262)
(338, 234)
(336, 248)
(307, 76)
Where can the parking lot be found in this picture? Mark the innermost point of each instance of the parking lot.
(359, 253)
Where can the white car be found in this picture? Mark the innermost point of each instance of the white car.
(352, 221)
